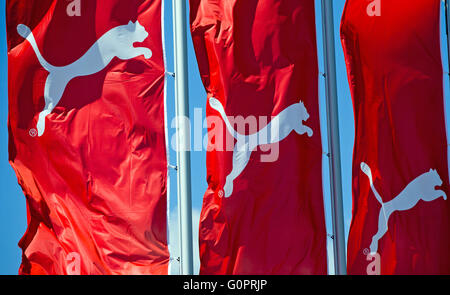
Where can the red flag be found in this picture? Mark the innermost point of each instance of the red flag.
(263, 210)
(400, 172)
(87, 135)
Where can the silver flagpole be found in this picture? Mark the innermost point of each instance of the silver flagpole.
(183, 136)
(447, 22)
(333, 138)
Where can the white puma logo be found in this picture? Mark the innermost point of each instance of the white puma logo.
(421, 188)
(278, 129)
(117, 42)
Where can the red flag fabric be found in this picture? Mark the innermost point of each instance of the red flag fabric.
(401, 215)
(87, 135)
(263, 209)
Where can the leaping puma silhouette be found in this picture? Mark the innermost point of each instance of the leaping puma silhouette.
(279, 128)
(421, 188)
(117, 42)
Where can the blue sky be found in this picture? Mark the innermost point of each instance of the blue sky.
(12, 201)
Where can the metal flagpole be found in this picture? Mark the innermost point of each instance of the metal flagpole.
(447, 23)
(183, 135)
(333, 138)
